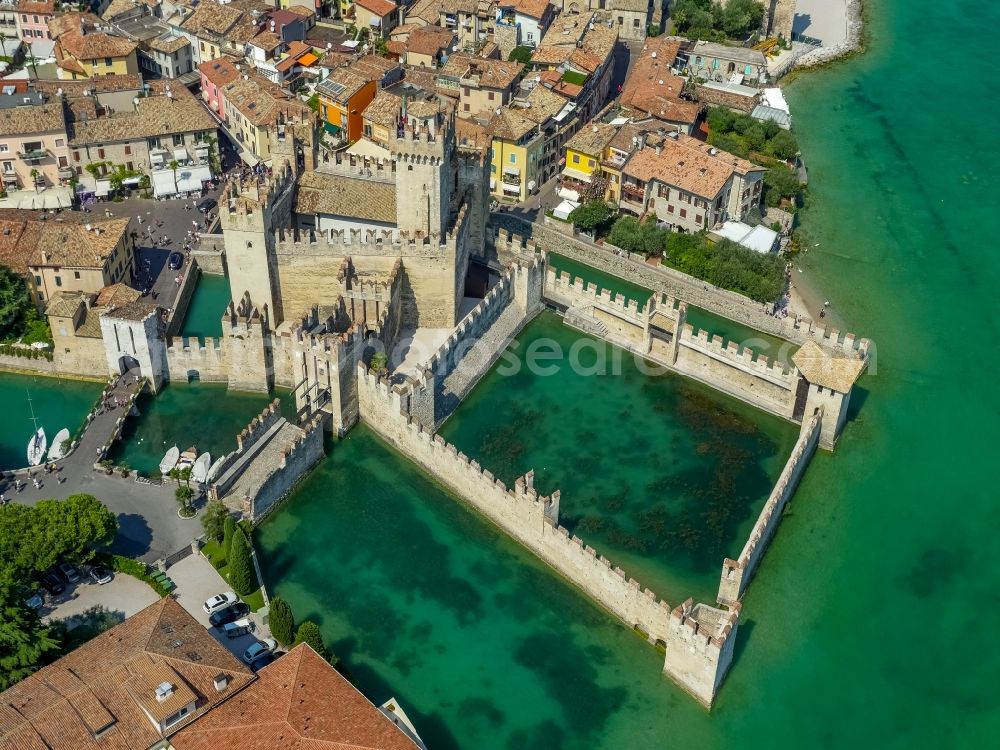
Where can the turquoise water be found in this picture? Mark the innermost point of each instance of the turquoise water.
(603, 280)
(663, 476)
(205, 415)
(57, 404)
(762, 343)
(204, 316)
(871, 621)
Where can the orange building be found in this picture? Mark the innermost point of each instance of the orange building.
(343, 96)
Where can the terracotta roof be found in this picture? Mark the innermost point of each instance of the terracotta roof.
(340, 195)
(429, 40)
(428, 11)
(212, 18)
(299, 702)
(592, 139)
(137, 310)
(821, 368)
(494, 74)
(532, 8)
(73, 20)
(36, 6)
(116, 295)
(380, 8)
(384, 109)
(168, 43)
(260, 101)
(396, 48)
(296, 50)
(155, 115)
(471, 136)
(66, 304)
(652, 88)
(544, 104)
(98, 84)
(688, 164)
(40, 118)
(301, 10)
(94, 696)
(459, 6)
(547, 54)
(266, 40)
(341, 85)
(95, 45)
(510, 125)
(72, 244)
(373, 67)
(219, 71)
(118, 8)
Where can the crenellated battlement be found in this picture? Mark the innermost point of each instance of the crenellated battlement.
(357, 165)
(746, 358)
(564, 281)
(258, 426)
(702, 628)
(245, 199)
(244, 318)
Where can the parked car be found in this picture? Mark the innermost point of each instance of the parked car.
(52, 584)
(175, 261)
(258, 649)
(262, 661)
(238, 628)
(36, 600)
(219, 601)
(69, 572)
(207, 205)
(100, 574)
(229, 614)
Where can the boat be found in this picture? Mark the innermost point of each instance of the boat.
(188, 458)
(214, 471)
(170, 460)
(38, 443)
(199, 472)
(56, 451)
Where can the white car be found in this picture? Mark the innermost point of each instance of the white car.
(219, 601)
(258, 649)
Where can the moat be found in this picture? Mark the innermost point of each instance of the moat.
(660, 474)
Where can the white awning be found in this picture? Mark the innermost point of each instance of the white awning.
(103, 188)
(189, 179)
(163, 183)
(567, 194)
(511, 188)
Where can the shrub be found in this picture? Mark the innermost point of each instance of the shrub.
(214, 520)
(780, 182)
(630, 235)
(282, 622)
(308, 632)
(228, 529)
(241, 572)
(520, 54)
(592, 216)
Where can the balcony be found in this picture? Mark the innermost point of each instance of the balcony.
(511, 179)
(633, 194)
(33, 155)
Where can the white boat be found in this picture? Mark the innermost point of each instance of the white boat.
(56, 451)
(188, 458)
(199, 472)
(36, 447)
(170, 460)
(214, 471)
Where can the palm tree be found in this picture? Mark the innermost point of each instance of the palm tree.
(34, 178)
(174, 164)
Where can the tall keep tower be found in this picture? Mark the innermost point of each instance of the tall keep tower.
(423, 148)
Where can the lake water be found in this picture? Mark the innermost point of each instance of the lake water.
(871, 621)
(204, 316)
(57, 404)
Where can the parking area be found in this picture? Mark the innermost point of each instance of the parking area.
(123, 596)
(197, 581)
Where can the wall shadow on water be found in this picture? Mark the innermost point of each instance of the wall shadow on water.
(859, 396)
(743, 635)
(134, 535)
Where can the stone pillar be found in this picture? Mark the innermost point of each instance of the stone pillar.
(675, 342)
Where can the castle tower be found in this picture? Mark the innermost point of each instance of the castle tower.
(826, 380)
(423, 148)
(248, 341)
(133, 338)
(700, 648)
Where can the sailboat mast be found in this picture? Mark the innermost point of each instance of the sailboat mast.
(31, 408)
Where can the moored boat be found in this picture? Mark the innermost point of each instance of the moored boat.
(170, 460)
(214, 471)
(36, 447)
(56, 451)
(199, 472)
(187, 458)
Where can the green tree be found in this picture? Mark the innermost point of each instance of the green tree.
(630, 235)
(309, 632)
(520, 54)
(14, 303)
(741, 17)
(214, 520)
(184, 495)
(282, 622)
(228, 532)
(783, 144)
(592, 216)
(25, 643)
(780, 182)
(379, 361)
(241, 572)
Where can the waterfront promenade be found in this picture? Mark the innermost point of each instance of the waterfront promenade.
(147, 513)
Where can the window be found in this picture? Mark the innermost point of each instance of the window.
(621, 21)
(697, 61)
(684, 213)
(63, 161)
(590, 163)
(76, 156)
(670, 208)
(76, 274)
(697, 218)
(107, 61)
(576, 158)
(513, 158)
(129, 167)
(465, 107)
(8, 167)
(128, 150)
(178, 139)
(635, 23)
(173, 719)
(60, 142)
(79, 171)
(490, 95)
(38, 281)
(4, 148)
(41, 297)
(34, 19)
(493, 168)
(100, 153)
(58, 280)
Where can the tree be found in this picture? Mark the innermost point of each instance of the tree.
(35, 538)
(780, 182)
(241, 572)
(183, 496)
(25, 643)
(591, 216)
(309, 633)
(174, 164)
(520, 54)
(34, 178)
(228, 532)
(741, 17)
(214, 520)
(379, 361)
(282, 622)
(14, 302)
(630, 235)
(783, 144)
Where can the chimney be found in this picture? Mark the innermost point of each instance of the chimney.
(221, 682)
(713, 151)
(45, 257)
(658, 148)
(163, 691)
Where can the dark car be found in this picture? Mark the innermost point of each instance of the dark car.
(262, 661)
(207, 205)
(175, 261)
(52, 584)
(230, 614)
(69, 572)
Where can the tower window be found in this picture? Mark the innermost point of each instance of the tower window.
(409, 167)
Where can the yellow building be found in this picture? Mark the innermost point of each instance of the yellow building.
(94, 53)
(515, 156)
(253, 106)
(585, 153)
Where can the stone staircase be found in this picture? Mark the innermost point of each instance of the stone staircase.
(583, 319)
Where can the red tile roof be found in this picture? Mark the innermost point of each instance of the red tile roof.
(380, 8)
(297, 703)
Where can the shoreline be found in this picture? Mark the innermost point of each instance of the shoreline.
(853, 44)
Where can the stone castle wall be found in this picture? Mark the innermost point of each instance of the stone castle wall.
(246, 442)
(182, 301)
(736, 574)
(298, 457)
(700, 648)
